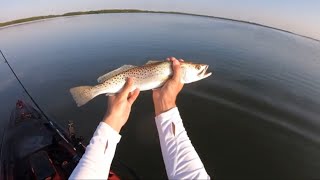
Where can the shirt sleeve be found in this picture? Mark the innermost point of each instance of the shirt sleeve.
(96, 161)
(180, 158)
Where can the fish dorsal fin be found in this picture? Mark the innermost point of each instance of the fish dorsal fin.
(107, 76)
(152, 61)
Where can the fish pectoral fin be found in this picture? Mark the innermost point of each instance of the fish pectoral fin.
(153, 61)
(107, 76)
(156, 88)
(110, 94)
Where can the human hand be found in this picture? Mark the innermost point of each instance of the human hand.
(164, 98)
(119, 106)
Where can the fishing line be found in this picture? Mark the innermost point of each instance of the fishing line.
(24, 88)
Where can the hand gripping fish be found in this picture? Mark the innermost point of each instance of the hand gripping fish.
(152, 75)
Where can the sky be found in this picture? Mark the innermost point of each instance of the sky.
(298, 16)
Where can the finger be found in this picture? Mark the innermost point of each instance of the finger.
(134, 96)
(111, 97)
(173, 58)
(111, 100)
(127, 87)
(170, 58)
(181, 60)
(176, 70)
(156, 91)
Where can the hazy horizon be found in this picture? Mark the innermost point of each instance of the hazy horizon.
(298, 16)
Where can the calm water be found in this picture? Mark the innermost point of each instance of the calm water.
(257, 117)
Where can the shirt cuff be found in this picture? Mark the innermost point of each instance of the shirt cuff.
(164, 122)
(168, 115)
(106, 132)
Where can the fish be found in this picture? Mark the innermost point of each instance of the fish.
(151, 75)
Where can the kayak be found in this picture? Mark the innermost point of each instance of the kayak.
(35, 147)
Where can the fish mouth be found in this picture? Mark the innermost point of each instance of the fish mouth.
(204, 73)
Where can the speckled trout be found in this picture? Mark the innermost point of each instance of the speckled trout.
(152, 75)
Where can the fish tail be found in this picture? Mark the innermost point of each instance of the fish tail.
(82, 94)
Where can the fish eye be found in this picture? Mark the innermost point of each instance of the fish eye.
(198, 67)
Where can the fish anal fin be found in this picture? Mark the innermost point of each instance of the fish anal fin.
(107, 76)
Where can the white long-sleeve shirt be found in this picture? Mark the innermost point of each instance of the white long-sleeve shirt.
(180, 158)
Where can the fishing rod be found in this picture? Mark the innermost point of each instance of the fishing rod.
(52, 123)
(24, 88)
(79, 147)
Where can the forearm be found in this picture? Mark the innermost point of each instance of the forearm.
(180, 157)
(96, 161)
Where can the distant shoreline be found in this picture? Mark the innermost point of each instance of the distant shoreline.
(37, 18)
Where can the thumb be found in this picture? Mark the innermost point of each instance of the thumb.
(176, 70)
(133, 96)
(126, 88)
